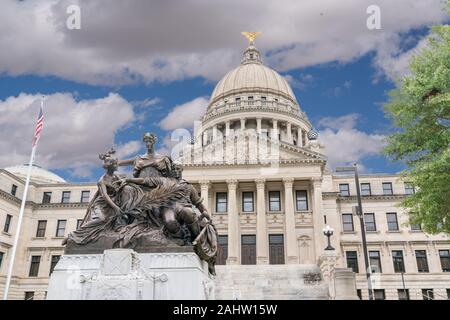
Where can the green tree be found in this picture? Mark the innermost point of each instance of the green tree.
(420, 110)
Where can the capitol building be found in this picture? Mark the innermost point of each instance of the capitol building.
(258, 165)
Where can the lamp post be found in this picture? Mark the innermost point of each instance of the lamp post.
(360, 214)
(328, 232)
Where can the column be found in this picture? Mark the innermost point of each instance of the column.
(214, 132)
(233, 223)
(289, 225)
(205, 137)
(299, 137)
(319, 238)
(227, 128)
(258, 125)
(289, 132)
(275, 129)
(204, 189)
(262, 239)
(242, 124)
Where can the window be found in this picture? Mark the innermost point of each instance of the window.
(29, 295)
(47, 197)
(352, 261)
(222, 249)
(416, 227)
(248, 249)
(369, 222)
(403, 294)
(276, 249)
(274, 201)
(13, 190)
(448, 294)
(409, 188)
(65, 197)
(427, 294)
(392, 221)
(247, 202)
(221, 201)
(1, 259)
(347, 222)
(344, 189)
(397, 259)
(379, 294)
(422, 263)
(301, 197)
(375, 261)
(365, 189)
(444, 255)
(250, 98)
(238, 99)
(79, 222)
(34, 266)
(85, 196)
(7, 223)
(53, 263)
(61, 228)
(387, 188)
(42, 225)
(263, 98)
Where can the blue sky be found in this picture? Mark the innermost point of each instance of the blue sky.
(342, 92)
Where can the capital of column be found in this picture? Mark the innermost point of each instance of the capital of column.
(288, 182)
(260, 183)
(316, 182)
(204, 184)
(232, 183)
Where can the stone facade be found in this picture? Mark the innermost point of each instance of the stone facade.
(264, 179)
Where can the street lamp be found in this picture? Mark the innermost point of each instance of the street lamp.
(359, 212)
(328, 232)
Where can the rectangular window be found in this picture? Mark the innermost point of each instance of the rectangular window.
(61, 228)
(276, 249)
(250, 98)
(248, 249)
(369, 222)
(416, 227)
(397, 259)
(387, 188)
(65, 197)
(427, 294)
(274, 201)
(409, 188)
(1, 259)
(375, 261)
(301, 197)
(34, 266)
(392, 221)
(403, 294)
(247, 202)
(238, 99)
(85, 196)
(53, 263)
(42, 225)
(344, 189)
(444, 255)
(79, 222)
(422, 262)
(352, 261)
(221, 201)
(263, 98)
(222, 249)
(29, 295)
(47, 197)
(365, 189)
(379, 294)
(14, 190)
(7, 225)
(347, 222)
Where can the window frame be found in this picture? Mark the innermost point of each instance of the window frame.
(34, 266)
(40, 228)
(352, 262)
(252, 202)
(83, 192)
(58, 228)
(382, 291)
(344, 223)
(424, 260)
(389, 223)
(65, 199)
(272, 201)
(362, 190)
(14, 188)
(8, 222)
(272, 243)
(409, 186)
(45, 195)
(398, 260)
(376, 258)
(300, 200)
(374, 222)
(347, 191)
(53, 263)
(218, 202)
(445, 266)
(391, 189)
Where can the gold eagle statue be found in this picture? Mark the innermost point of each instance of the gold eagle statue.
(251, 36)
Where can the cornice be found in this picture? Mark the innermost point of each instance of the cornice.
(372, 197)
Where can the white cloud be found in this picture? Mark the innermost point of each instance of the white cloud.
(184, 115)
(138, 40)
(344, 143)
(302, 82)
(74, 132)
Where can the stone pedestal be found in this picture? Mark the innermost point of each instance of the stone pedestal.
(122, 274)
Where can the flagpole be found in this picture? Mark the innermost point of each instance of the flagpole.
(19, 222)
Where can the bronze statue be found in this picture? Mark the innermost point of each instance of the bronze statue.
(154, 210)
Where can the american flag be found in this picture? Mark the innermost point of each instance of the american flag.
(39, 126)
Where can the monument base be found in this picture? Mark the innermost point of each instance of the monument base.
(123, 274)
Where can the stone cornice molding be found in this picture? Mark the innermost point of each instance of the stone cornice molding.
(371, 198)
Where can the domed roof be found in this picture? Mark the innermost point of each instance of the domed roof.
(252, 75)
(38, 174)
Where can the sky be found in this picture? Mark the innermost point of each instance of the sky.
(134, 66)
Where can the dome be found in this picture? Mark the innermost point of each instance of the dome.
(38, 174)
(250, 76)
